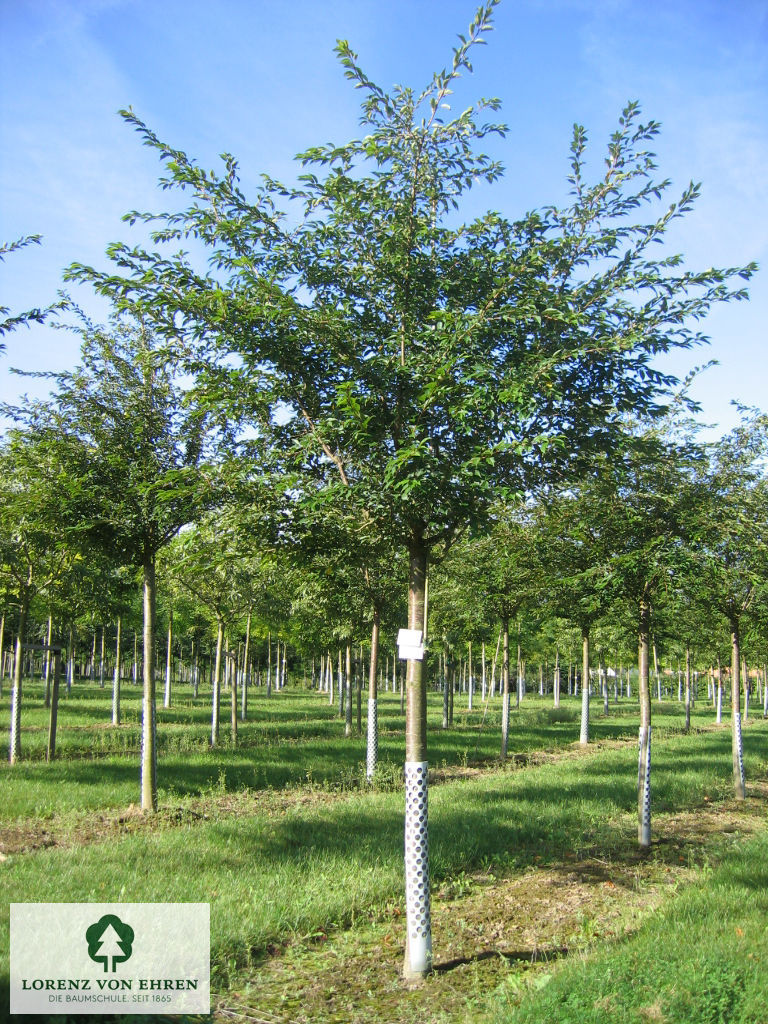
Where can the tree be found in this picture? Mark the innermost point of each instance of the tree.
(211, 564)
(34, 551)
(426, 365)
(135, 447)
(731, 554)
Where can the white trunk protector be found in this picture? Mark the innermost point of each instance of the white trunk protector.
(417, 868)
(373, 738)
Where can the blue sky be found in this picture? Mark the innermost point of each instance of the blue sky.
(260, 80)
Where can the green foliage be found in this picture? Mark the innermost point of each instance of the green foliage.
(10, 323)
(427, 365)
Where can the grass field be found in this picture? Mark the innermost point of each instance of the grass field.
(543, 907)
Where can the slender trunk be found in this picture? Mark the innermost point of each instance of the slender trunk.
(687, 689)
(195, 669)
(556, 680)
(149, 722)
(719, 715)
(418, 950)
(604, 677)
(116, 677)
(493, 665)
(348, 689)
(269, 664)
(644, 746)
(71, 659)
(471, 680)
(48, 660)
(233, 699)
(745, 680)
(2, 652)
(373, 703)
(505, 690)
(216, 694)
(482, 659)
(446, 698)
(168, 662)
(584, 737)
(247, 668)
(51, 751)
(451, 692)
(340, 683)
(656, 674)
(359, 694)
(737, 747)
(15, 746)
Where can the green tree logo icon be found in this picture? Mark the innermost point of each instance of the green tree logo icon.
(109, 939)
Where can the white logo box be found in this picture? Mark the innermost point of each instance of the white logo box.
(110, 958)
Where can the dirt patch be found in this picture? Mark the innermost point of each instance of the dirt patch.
(21, 837)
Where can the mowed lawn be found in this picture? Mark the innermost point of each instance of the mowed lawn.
(284, 840)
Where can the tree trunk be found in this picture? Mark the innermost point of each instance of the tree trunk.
(233, 699)
(149, 722)
(471, 682)
(446, 698)
(737, 747)
(687, 689)
(644, 746)
(51, 751)
(556, 680)
(340, 684)
(195, 668)
(269, 665)
(505, 690)
(168, 662)
(71, 659)
(656, 674)
(359, 694)
(216, 694)
(604, 677)
(18, 665)
(247, 668)
(584, 737)
(348, 693)
(418, 950)
(48, 661)
(116, 677)
(373, 703)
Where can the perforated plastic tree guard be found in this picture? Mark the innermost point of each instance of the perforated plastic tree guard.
(373, 738)
(644, 779)
(417, 869)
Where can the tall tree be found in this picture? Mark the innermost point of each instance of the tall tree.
(425, 364)
(136, 448)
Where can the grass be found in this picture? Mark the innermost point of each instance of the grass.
(702, 959)
(291, 738)
(290, 851)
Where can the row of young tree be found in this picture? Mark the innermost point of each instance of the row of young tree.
(365, 386)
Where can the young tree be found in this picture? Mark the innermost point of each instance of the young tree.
(731, 552)
(430, 366)
(135, 448)
(34, 534)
